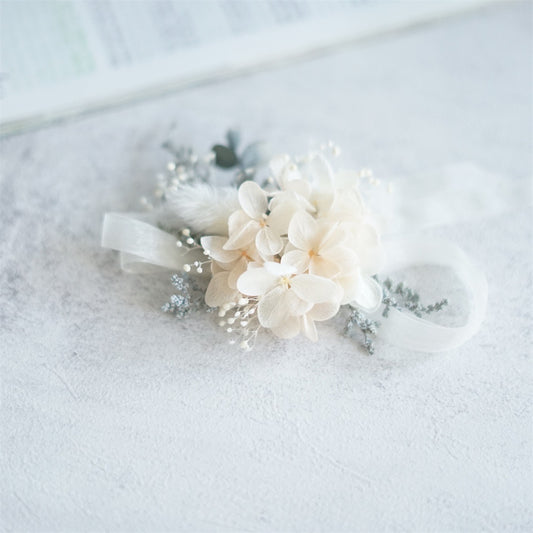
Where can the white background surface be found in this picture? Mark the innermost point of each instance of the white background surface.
(118, 417)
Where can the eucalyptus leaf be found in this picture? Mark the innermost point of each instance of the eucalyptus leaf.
(225, 157)
(234, 138)
(255, 154)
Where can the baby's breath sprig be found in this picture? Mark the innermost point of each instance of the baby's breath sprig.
(239, 319)
(189, 241)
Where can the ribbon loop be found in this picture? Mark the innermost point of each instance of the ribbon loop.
(413, 333)
(144, 248)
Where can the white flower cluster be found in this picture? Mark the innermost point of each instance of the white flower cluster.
(293, 256)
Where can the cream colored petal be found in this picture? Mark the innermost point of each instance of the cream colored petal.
(214, 245)
(331, 235)
(309, 328)
(300, 187)
(217, 267)
(320, 266)
(280, 269)
(303, 231)
(368, 295)
(321, 171)
(348, 286)
(298, 259)
(218, 291)
(314, 289)
(239, 268)
(256, 281)
(323, 311)
(345, 258)
(295, 305)
(277, 164)
(288, 329)
(237, 220)
(270, 311)
(281, 214)
(278, 305)
(268, 242)
(243, 237)
(253, 199)
(323, 200)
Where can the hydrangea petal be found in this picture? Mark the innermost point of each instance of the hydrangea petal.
(253, 199)
(309, 328)
(218, 291)
(280, 269)
(243, 237)
(320, 266)
(298, 259)
(238, 269)
(314, 289)
(214, 245)
(288, 329)
(237, 220)
(323, 311)
(281, 213)
(270, 311)
(277, 164)
(369, 294)
(256, 281)
(268, 242)
(303, 231)
(331, 235)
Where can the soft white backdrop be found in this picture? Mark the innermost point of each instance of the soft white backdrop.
(118, 417)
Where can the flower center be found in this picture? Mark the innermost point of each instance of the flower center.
(285, 282)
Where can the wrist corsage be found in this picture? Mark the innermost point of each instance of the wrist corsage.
(283, 247)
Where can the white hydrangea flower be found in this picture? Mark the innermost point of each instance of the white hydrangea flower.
(284, 293)
(297, 257)
(256, 222)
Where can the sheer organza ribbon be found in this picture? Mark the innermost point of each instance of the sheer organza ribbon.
(144, 248)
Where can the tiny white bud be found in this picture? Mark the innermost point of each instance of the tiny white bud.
(190, 240)
(179, 244)
(243, 301)
(237, 314)
(229, 330)
(222, 313)
(186, 232)
(222, 323)
(187, 268)
(199, 270)
(171, 165)
(244, 323)
(231, 320)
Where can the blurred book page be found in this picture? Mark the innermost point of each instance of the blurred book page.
(59, 58)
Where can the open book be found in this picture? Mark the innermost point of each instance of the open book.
(65, 58)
